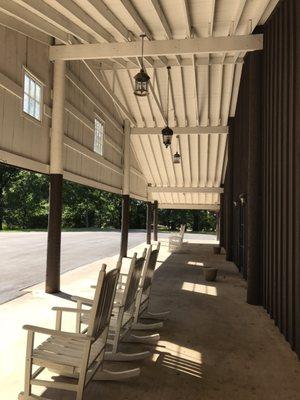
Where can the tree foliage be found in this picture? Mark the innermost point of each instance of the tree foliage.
(24, 205)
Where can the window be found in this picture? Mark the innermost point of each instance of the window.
(32, 100)
(98, 136)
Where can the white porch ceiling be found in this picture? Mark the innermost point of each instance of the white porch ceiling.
(204, 86)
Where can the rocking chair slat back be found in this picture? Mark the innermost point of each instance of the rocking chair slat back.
(103, 302)
(134, 276)
(151, 268)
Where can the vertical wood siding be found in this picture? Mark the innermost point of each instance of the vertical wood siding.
(278, 86)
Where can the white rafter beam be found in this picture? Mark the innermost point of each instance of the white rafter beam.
(98, 31)
(185, 62)
(157, 47)
(186, 206)
(55, 18)
(27, 17)
(187, 16)
(212, 18)
(191, 189)
(164, 23)
(23, 28)
(110, 17)
(137, 18)
(108, 90)
(187, 130)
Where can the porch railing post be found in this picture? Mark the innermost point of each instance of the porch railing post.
(126, 191)
(56, 179)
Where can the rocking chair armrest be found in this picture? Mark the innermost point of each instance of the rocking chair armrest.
(69, 309)
(84, 300)
(54, 332)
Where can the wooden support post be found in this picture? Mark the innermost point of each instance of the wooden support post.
(155, 220)
(56, 179)
(218, 225)
(125, 225)
(222, 220)
(254, 202)
(149, 221)
(229, 195)
(126, 191)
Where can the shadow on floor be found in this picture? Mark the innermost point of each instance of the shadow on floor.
(213, 346)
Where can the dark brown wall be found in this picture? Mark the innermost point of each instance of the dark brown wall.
(266, 149)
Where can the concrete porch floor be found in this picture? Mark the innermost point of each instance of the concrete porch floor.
(213, 345)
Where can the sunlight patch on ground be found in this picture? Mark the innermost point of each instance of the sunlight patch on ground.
(197, 288)
(179, 358)
(196, 263)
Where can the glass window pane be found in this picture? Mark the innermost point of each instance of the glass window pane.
(37, 111)
(26, 83)
(32, 88)
(37, 92)
(32, 103)
(31, 106)
(26, 103)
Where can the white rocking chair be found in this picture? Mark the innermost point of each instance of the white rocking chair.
(120, 329)
(76, 355)
(175, 241)
(143, 296)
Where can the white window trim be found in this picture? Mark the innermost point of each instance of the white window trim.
(96, 117)
(41, 84)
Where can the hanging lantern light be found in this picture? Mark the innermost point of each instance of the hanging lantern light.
(177, 156)
(167, 132)
(142, 78)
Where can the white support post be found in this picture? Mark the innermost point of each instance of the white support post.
(58, 110)
(126, 190)
(56, 179)
(126, 178)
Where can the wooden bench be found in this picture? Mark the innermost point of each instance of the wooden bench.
(175, 241)
(76, 355)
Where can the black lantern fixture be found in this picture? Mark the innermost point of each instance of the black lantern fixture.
(142, 78)
(177, 156)
(167, 132)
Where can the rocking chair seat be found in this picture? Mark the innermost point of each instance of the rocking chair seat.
(65, 352)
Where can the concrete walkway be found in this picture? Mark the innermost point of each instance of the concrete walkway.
(213, 346)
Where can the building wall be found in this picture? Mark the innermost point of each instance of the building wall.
(26, 143)
(265, 149)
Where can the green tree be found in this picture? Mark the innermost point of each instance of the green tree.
(7, 176)
(27, 201)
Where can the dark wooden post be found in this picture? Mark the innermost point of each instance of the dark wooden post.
(155, 220)
(149, 221)
(229, 194)
(124, 225)
(54, 234)
(254, 201)
(222, 220)
(218, 225)
(56, 179)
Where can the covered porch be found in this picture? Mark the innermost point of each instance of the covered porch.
(214, 125)
(213, 346)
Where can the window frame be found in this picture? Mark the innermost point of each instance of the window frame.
(37, 81)
(102, 122)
